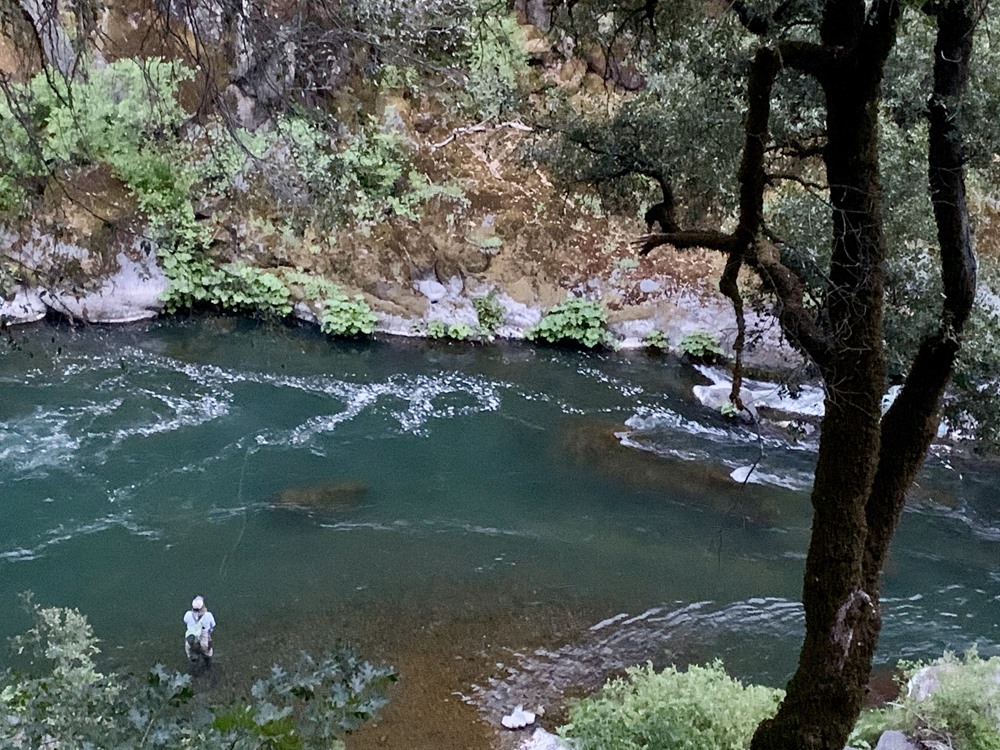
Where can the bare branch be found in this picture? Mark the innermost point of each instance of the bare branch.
(687, 239)
(773, 177)
(479, 128)
(729, 286)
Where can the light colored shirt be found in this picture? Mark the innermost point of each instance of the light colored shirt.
(206, 620)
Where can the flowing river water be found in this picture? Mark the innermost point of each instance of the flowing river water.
(505, 524)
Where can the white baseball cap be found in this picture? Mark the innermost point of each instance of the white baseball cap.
(197, 603)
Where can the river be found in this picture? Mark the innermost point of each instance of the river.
(571, 512)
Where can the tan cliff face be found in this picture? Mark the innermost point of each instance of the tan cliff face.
(511, 229)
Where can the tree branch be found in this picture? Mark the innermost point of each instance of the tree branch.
(772, 177)
(911, 422)
(798, 321)
(729, 286)
(743, 245)
(687, 239)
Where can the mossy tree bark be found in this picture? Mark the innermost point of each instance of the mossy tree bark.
(866, 461)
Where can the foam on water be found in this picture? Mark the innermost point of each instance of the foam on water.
(64, 533)
(655, 429)
(30, 447)
(625, 388)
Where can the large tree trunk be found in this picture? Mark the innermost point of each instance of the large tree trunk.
(825, 695)
(866, 463)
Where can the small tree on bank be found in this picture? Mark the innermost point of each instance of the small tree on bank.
(867, 460)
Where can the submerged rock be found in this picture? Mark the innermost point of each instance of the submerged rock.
(334, 496)
(598, 447)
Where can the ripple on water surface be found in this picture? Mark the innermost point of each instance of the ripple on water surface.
(562, 476)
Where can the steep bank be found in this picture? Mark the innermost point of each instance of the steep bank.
(433, 204)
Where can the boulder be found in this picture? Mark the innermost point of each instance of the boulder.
(895, 740)
(925, 682)
(121, 283)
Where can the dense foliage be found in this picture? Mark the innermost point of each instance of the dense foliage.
(577, 321)
(205, 185)
(670, 149)
(698, 709)
(64, 700)
(962, 711)
(701, 346)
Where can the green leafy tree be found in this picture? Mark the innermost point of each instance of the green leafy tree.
(813, 93)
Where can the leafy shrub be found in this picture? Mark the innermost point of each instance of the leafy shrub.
(490, 312)
(70, 703)
(339, 315)
(962, 713)
(196, 279)
(702, 347)
(52, 122)
(122, 114)
(701, 709)
(656, 339)
(244, 288)
(346, 316)
(576, 320)
(438, 329)
(365, 178)
(729, 410)
(496, 63)
(125, 116)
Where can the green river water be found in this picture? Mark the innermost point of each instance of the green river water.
(142, 465)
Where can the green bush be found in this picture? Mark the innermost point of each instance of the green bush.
(339, 315)
(656, 339)
(346, 316)
(496, 63)
(729, 410)
(963, 713)
(364, 178)
(576, 320)
(438, 329)
(701, 709)
(702, 347)
(196, 279)
(489, 312)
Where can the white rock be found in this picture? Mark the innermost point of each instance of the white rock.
(542, 740)
(518, 718)
(431, 289)
(648, 286)
(926, 681)
(894, 740)
(133, 292)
